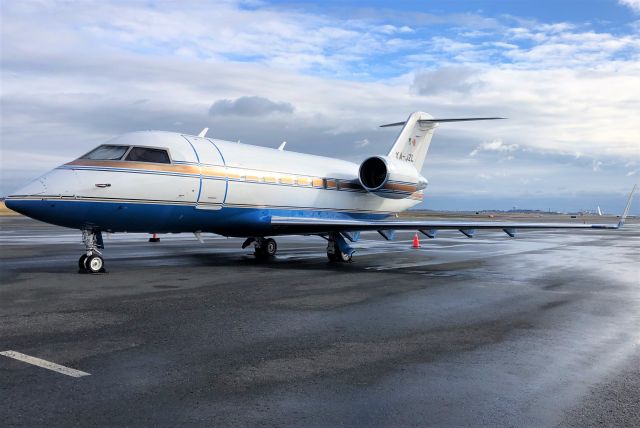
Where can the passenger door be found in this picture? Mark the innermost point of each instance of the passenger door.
(213, 176)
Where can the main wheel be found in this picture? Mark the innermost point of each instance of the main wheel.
(335, 255)
(94, 264)
(344, 257)
(267, 248)
(333, 251)
(270, 247)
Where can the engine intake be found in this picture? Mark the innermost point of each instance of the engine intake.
(373, 173)
(388, 178)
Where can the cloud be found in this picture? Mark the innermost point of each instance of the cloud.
(445, 79)
(392, 29)
(495, 146)
(249, 106)
(324, 83)
(633, 4)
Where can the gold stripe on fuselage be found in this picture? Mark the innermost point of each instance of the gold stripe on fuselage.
(183, 169)
(400, 187)
(257, 176)
(212, 171)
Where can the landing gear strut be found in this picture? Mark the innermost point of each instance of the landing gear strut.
(264, 247)
(337, 249)
(91, 261)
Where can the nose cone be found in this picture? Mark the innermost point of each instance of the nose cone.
(49, 198)
(12, 205)
(23, 198)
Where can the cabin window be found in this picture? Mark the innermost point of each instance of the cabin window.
(106, 152)
(145, 154)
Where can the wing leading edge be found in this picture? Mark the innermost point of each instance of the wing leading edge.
(308, 225)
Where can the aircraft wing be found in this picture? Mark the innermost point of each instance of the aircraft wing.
(309, 225)
(300, 225)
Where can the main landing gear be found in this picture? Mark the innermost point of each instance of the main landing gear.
(91, 261)
(337, 249)
(264, 247)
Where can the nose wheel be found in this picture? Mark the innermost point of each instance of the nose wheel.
(81, 266)
(94, 264)
(91, 261)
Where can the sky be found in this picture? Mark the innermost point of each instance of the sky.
(324, 75)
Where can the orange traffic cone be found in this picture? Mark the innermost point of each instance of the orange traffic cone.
(416, 241)
(154, 238)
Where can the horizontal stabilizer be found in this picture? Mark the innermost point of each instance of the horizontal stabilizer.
(426, 121)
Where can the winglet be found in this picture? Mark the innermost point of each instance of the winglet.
(627, 207)
(203, 132)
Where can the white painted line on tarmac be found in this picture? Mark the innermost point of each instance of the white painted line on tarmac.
(44, 364)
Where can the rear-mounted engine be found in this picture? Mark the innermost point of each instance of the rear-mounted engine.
(390, 178)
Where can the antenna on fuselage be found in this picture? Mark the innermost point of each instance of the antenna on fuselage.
(281, 146)
(203, 132)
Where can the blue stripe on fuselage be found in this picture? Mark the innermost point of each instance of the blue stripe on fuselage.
(165, 218)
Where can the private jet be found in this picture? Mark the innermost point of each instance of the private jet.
(168, 182)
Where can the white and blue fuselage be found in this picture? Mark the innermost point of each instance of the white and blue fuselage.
(203, 184)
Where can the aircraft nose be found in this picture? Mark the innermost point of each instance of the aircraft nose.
(22, 200)
(14, 205)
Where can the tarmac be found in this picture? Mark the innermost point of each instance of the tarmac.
(539, 330)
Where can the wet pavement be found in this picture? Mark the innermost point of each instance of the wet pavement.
(540, 330)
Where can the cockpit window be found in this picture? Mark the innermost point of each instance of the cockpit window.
(145, 154)
(107, 152)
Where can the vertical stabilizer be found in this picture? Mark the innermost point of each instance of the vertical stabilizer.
(413, 142)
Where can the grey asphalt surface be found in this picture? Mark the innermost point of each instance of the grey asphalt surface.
(541, 330)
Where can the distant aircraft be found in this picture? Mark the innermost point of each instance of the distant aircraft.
(165, 182)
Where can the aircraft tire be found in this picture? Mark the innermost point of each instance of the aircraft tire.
(338, 256)
(267, 249)
(94, 264)
(270, 247)
(344, 257)
(81, 264)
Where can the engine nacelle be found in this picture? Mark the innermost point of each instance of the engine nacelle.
(390, 178)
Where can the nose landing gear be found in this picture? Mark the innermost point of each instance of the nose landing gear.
(91, 261)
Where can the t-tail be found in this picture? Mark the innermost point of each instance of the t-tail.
(415, 137)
